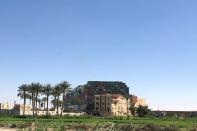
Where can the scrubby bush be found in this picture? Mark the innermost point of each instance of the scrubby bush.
(142, 111)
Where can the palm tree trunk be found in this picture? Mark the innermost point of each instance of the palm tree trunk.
(33, 103)
(24, 104)
(57, 104)
(47, 105)
(44, 104)
(36, 103)
(30, 101)
(62, 104)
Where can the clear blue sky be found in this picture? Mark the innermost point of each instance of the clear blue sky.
(149, 44)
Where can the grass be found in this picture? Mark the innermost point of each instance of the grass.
(59, 122)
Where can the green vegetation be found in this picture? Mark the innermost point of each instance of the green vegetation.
(99, 122)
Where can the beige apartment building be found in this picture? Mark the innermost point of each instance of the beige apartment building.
(136, 101)
(4, 106)
(140, 102)
(111, 105)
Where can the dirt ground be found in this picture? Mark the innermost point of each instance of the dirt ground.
(7, 129)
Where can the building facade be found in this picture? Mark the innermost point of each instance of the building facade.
(111, 105)
(137, 101)
(84, 95)
(4, 106)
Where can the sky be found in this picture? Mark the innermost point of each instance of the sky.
(150, 45)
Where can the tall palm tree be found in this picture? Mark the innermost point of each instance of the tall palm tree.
(56, 92)
(34, 89)
(65, 88)
(22, 92)
(47, 90)
(53, 93)
(39, 89)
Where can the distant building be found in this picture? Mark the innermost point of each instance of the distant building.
(136, 101)
(140, 102)
(133, 99)
(110, 87)
(5, 109)
(18, 109)
(111, 105)
(84, 94)
(4, 106)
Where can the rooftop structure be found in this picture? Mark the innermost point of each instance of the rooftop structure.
(104, 87)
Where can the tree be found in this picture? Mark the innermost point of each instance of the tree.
(65, 88)
(44, 100)
(32, 92)
(38, 90)
(35, 89)
(142, 111)
(132, 109)
(47, 90)
(54, 103)
(56, 92)
(22, 92)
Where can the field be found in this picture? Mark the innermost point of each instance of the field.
(99, 123)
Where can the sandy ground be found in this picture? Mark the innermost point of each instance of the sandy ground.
(7, 129)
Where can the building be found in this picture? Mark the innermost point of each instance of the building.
(111, 105)
(133, 99)
(4, 106)
(110, 87)
(140, 102)
(18, 109)
(84, 95)
(5, 109)
(136, 101)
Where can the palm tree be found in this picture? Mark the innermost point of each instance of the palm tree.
(34, 89)
(65, 88)
(56, 92)
(39, 89)
(44, 100)
(22, 92)
(47, 90)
